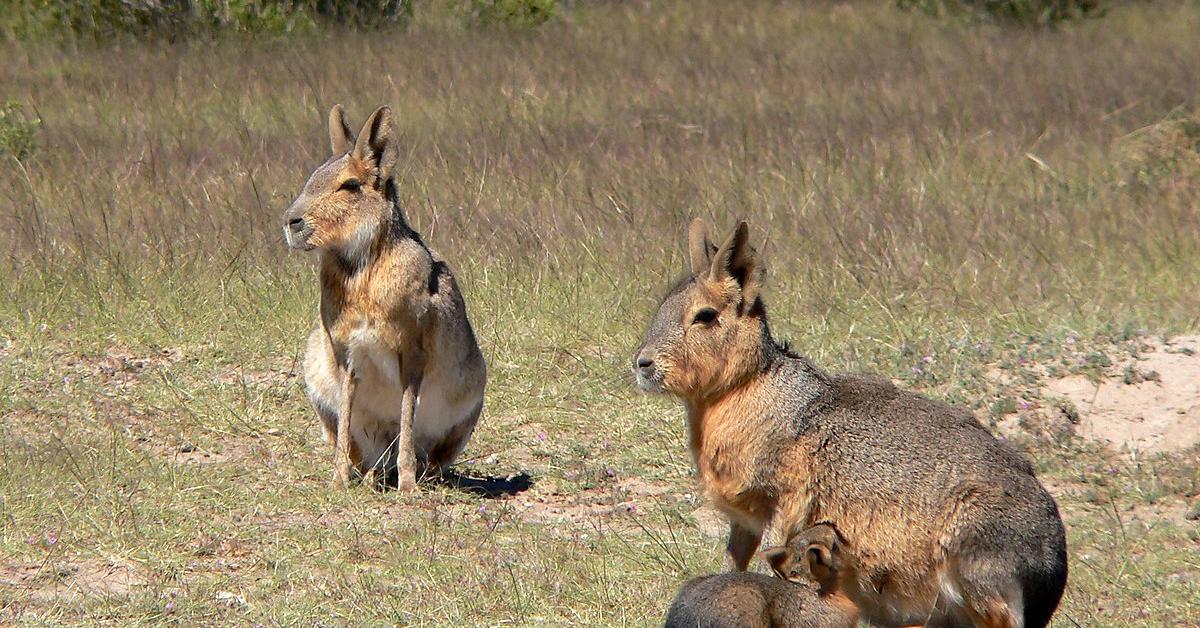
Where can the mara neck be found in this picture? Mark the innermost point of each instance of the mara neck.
(358, 257)
(780, 376)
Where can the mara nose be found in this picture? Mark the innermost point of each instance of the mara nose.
(644, 363)
(296, 224)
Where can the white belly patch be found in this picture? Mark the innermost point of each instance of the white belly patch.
(370, 358)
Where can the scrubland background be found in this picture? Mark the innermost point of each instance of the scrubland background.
(977, 209)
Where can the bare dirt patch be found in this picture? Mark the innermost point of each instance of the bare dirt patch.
(189, 454)
(119, 367)
(279, 374)
(545, 504)
(1147, 403)
(65, 581)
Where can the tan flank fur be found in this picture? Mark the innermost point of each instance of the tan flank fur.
(806, 593)
(946, 525)
(392, 366)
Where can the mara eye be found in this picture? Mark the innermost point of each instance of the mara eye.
(705, 316)
(351, 185)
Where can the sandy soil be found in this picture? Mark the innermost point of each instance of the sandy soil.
(1148, 404)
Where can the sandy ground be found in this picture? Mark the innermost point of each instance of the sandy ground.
(1150, 403)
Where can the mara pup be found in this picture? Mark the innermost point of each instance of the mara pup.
(946, 525)
(806, 593)
(392, 366)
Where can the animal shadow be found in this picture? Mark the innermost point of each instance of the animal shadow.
(487, 486)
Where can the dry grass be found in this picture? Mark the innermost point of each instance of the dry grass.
(923, 189)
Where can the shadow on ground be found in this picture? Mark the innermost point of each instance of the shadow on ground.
(488, 486)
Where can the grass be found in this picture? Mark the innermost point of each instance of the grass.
(984, 197)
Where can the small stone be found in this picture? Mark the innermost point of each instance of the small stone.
(1194, 513)
(231, 600)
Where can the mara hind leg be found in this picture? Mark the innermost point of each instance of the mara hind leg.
(994, 613)
(1017, 584)
(986, 591)
(442, 454)
(328, 423)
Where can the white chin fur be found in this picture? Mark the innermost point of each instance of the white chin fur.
(296, 243)
(648, 385)
(359, 244)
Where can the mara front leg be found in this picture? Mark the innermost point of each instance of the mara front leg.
(743, 541)
(342, 444)
(406, 454)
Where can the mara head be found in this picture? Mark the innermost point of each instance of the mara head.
(349, 198)
(709, 332)
(811, 556)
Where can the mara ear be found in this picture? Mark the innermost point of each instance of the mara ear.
(820, 560)
(700, 248)
(375, 145)
(737, 259)
(780, 560)
(341, 138)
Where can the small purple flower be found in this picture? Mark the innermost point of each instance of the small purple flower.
(51, 539)
(1025, 405)
(610, 472)
(170, 608)
(541, 436)
(927, 359)
(483, 509)
(631, 508)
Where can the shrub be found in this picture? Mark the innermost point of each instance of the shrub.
(105, 19)
(18, 134)
(1023, 12)
(363, 13)
(511, 13)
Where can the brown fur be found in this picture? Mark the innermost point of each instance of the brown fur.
(946, 524)
(392, 366)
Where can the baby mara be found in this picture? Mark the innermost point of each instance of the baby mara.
(806, 592)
